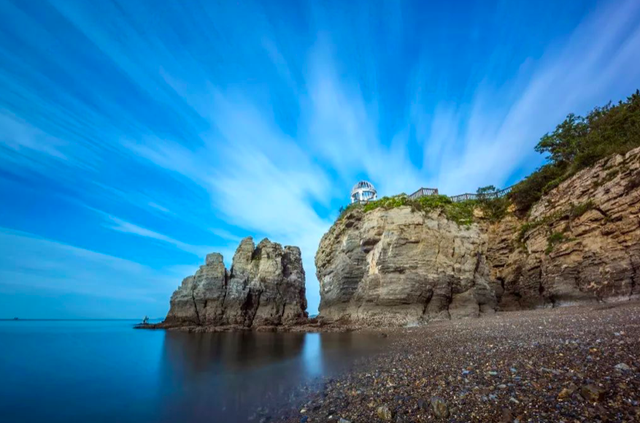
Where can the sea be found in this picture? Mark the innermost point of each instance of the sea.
(106, 371)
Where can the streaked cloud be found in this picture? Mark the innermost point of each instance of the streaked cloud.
(182, 131)
(30, 264)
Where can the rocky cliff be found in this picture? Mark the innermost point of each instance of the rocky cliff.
(398, 266)
(580, 243)
(265, 287)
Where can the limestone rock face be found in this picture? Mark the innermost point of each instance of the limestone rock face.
(265, 286)
(580, 243)
(400, 267)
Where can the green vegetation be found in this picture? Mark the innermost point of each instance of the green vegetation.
(529, 226)
(578, 210)
(462, 212)
(575, 211)
(493, 207)
(554, 239)
(579, 142)
(388, 203)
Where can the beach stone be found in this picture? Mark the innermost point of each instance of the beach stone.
(622, 367)
(439, 407)
(507, 416)
(384, 413)
(592, 393)
(566, 392)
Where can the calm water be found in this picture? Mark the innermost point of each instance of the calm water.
(105, 371)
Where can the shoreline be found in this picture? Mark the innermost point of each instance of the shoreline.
(578, 363)
(319, 325)
(311, 327)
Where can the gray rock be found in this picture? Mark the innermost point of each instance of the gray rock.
(622, 367)
(265, 286)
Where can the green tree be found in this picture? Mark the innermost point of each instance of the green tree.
(579, 142)
(564, 143)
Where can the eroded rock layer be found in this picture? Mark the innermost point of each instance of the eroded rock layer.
(580, 243)
(265, 287)
(398, 266)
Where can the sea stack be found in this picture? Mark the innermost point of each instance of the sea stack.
(265, 287)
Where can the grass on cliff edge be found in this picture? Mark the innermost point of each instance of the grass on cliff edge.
(461, 213)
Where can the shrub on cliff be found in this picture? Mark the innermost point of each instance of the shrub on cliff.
(492, 205)
(461, 212)
(577, 143)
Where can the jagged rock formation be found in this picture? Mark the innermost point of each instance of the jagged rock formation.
(580, 243)
(265, 286)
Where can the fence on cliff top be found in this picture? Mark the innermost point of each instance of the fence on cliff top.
(422, 192)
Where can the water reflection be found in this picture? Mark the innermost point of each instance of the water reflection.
(106, 372)
(312, 355)
(228, 375)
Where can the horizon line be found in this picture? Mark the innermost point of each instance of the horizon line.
(18, 319)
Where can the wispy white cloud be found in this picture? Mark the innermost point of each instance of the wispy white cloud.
(21, 137)
(123, 226)
(29, 263)
(224, 234)
(269, 140)
(572, 76)
(159, 207)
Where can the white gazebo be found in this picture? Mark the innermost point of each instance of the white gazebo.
(362, 192)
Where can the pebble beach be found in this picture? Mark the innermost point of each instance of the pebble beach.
(570, 364)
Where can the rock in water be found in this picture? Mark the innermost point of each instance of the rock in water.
(265, 286)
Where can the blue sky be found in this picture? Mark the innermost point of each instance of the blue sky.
(137, 136)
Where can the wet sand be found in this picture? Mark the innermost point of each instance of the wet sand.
(566, 364)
